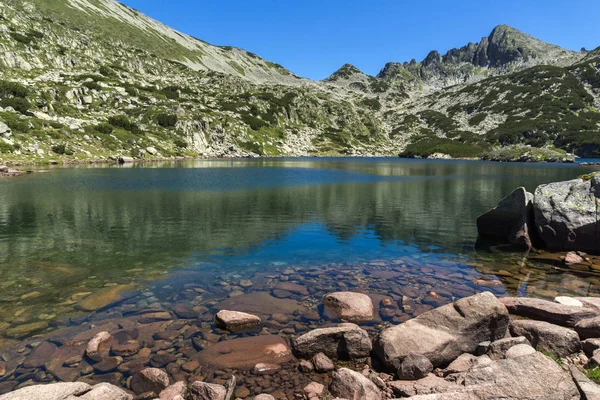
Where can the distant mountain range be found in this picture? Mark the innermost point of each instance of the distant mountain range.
(91, 79)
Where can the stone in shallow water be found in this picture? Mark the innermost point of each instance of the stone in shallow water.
(25, 330)
(343, 342)
(245, 353)
(105, 297)
(40, 355)
(149, 380)
(322, 363)
(236, 321)
(207, 391)
(445, 333)
(349, 306)
(98, 346)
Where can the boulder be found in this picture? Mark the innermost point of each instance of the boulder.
(322, 363)
(589, 389)
(499, 348)
(532, 376)
(349, 306)
(207, 391)
(40, 355)
(445, 333)
(236, 321)
(414, 367)
(343, 342)
(520, 350)
(178, 391)
(54, 391)
(511, 220)
(588, 328)
(548, 311)
(105, 391)
(590, 346)
(245, 353)
(353, 385)
(149, 380)
(430, 384)
(264, 396)
(566, 214)
(98, 346)
(548, 337)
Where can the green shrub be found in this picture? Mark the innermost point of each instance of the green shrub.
(106, 71)
(92, 86)
(62, 149)
(20, 105)
(105, 128)
(121, 121)
(180, 143)
(12, 89)
(21, 38)
(166, 120)
(6, 148)
(372, 103)
(254, 123)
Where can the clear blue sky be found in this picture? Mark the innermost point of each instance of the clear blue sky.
(313, 38)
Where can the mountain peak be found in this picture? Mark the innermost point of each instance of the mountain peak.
(345, 72)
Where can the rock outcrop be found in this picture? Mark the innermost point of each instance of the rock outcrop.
(445, 333)
(566, 214)
(512, 220)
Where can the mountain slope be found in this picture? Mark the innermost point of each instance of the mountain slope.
(92, 79)
(113, 23)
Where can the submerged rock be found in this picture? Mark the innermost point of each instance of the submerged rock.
(246, 352)
(349, 306)
(512, 220)
(236, 321)
(445, 333)
(105, 297)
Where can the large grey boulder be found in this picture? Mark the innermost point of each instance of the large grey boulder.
(566, 214)
(532, 376)
(445, 333)
(588, 328)
(353, 385)
(69, 391)
(548, 311)
(54, 391)
(104, 391)
(511, 221)
(548, 337)
(343, 342)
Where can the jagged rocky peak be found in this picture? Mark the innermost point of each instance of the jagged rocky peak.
(345, 72)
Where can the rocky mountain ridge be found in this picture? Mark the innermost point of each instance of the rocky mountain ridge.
(92, 79)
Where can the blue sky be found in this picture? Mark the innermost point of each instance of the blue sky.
(313, 38)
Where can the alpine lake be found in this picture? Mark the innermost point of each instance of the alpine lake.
(156, 249)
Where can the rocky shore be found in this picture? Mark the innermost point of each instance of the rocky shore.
(6, 171)
(479, 347)
(560, 216)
